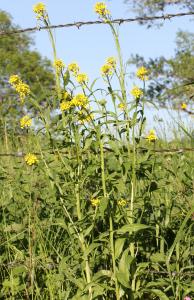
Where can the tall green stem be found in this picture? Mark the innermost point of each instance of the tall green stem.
(79, 214)
(47, 23)
(110, 217)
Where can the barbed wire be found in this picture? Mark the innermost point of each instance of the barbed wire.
(56, 151)
(79, 24)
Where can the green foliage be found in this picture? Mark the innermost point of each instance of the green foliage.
(101, 214)
(152, 7)
(171, 80)
(18, 58)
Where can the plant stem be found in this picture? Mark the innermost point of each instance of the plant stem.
(110, 217)
(47, 23)
(79, 214)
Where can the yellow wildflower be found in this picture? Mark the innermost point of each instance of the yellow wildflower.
(142, 73)
(95, 202)
(30, 159)
(74, 68)
(22, 89)
(59, 65)
(106, 70)
(121, 106)
(151, 137)
(80, 100)
(101, 9)
(65, 105)
(136, 92)
(26, 121)
(111, 61)
(122, 202)
(83, 117)
(183, 105)
(14, 80)
(40, 10)
(82, 78)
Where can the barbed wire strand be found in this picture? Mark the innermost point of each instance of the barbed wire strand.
(81, 23)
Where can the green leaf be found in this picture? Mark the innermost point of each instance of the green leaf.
(132, 228)
(160, 283)
(159, 293)
(91, 248)
(93, 83)
(158, 257)
(119, 243)
(103, 205)
(122, 278)
(123, 270)
(88, 230)
(101, 274)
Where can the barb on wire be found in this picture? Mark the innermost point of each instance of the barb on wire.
(115, 21)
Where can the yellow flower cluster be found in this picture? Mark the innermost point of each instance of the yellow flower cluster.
(106, 70)
(108, 67)
(14, 80)
(59, 65)
(74, 68)
(111, 61)
(78, 100)
(183, 105)
(122, 202)
(30, 159)
(151, 137)
(40, 10)
(21, 88)
(142, 73)
(82, 78)
(95, 202)
(26, 121)
(101, 9)
(136, 92)
(121, 106)
(83, 118)
(65, 105)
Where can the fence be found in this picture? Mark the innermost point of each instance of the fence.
(79, 24)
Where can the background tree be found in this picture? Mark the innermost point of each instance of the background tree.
(151, 7)
(171, 80)
(18, 58)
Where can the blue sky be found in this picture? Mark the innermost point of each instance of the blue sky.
(91, 45)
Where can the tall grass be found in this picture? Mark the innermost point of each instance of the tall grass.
(101, 214)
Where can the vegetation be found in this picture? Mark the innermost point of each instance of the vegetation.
(151, 7)
(92, 206)
(18, 58)
(171, 78)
